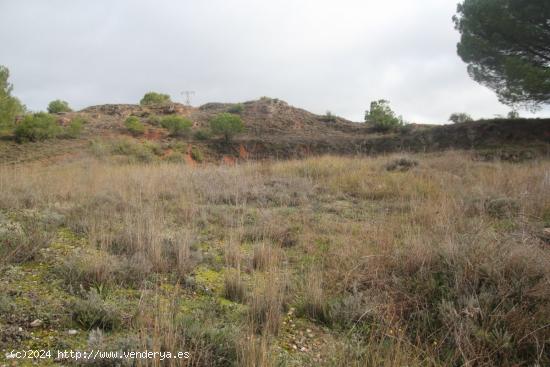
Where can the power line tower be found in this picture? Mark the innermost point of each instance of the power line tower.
(188, 94)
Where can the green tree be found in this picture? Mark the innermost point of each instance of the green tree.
(382, 117)
(58, 106)
(226, 124)
(506, 44)
(177, 125)
(460, 117)
(36, 127)
(513, 115)
(10, 107)
(153, 98)
(134, 125)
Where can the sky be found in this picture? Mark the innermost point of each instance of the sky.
(319, 55)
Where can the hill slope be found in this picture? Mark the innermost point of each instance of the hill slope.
(274, 129)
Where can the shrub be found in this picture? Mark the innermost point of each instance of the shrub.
(177, 125)
(134, 150)
(382, 117)
(236, 108)
(226, 124)
(202, 135)
(93, 312)
(134, 125)
(152, 98)
(460, 117)
(502, 207)
(36, 127)
(75, 128)
(154, 120)
(196, 154)
(58, 106)
(513, 115)
(329, 117)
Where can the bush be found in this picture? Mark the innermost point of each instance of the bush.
(58, 106)
(382, 117)
(75, 128)
(202, 135)
(36, 127)
(133, 150)
(93, 312)
(461, 117)
(236, 108)
(196, 154)
(153, 98)
(329, 117)
(134, 125)
(177, 125)
(226, 124)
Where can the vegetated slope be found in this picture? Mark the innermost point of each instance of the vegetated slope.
(275, 129)
(436, 260)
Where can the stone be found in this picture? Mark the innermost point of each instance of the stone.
(37, 323)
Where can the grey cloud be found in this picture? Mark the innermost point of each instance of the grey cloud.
(320, 55)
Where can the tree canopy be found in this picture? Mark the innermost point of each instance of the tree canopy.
(10, 107)
(152, 98)
(460, 117)
(58, 106)
(382, 117)
(226, 124)
(506, 44)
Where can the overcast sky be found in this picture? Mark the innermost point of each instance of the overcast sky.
(316, 54)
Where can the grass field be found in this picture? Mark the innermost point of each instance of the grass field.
(431, 260)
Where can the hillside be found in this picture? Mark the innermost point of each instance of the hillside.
(275, 129)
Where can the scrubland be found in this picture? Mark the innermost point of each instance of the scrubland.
(327, 261)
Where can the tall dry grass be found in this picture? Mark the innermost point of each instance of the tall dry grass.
(442, 264)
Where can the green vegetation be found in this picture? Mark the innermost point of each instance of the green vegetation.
(154, 98)
(10, 107)
(382, 117)
(101, 253)
(93, 312)
(329, 117)
(196, 154)
(202, 134)
(74, 129)
(460, 117)
(177, 125)
(36, 127)
(505, 44)
(58, 106)
(134, 125)
(227, 125)
(236, 108)
(513, 115)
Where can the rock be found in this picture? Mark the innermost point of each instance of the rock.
(72, 332)
(37, 323)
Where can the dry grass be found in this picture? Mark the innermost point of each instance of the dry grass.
(442, 264)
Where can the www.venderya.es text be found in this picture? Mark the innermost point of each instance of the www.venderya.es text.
(94, 354)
